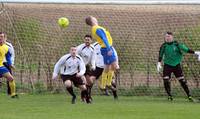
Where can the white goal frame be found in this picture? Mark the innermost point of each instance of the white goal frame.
(153, 2)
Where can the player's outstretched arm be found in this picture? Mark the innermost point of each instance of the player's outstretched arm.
(82, 68)
(93, 62)
(57, 67)
(198, 54)
(187, 50)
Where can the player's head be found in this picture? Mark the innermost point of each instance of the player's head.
(2, 37)
(73, 51)
(169, 37)
(91, 21)
(88, 40)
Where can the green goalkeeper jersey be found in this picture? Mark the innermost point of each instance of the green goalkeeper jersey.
(172, 53)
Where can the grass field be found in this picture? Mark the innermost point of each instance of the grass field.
(58, 107)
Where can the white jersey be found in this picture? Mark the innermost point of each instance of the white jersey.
(12, 52)
(87, 53)
(67, 65)
(99, 58)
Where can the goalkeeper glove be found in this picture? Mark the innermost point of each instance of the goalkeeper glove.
(198, 54)
(159, 67)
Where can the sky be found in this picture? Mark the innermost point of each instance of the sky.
(110, 1)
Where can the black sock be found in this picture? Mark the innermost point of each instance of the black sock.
(71, 92)
(114, 91)
(8, 88)
(184, 85)
(114, 85)
(167, 86)
(85, 94)
(82, 95)
(89, 90)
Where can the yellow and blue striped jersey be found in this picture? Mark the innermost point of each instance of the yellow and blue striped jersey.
(4, 53)
(102, 36)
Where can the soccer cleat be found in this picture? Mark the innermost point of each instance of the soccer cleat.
(170, 98)
(107, 93)
(73, 99)
(190, 99)
(88, 100)
(15, 96)
(116, 97)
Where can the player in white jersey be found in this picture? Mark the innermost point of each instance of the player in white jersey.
(99, 62)
(86, 51)
(100, 67)
(72, 68)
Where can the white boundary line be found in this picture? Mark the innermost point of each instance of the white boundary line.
(158, 2)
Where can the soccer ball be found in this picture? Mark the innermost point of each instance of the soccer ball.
(63, 22)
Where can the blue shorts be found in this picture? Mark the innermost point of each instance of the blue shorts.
(3, 70)
(108, 59)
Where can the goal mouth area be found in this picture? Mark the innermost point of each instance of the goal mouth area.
(137, 31)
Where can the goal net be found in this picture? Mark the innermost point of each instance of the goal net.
(137, 31)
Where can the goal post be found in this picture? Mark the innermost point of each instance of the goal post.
(116, 2)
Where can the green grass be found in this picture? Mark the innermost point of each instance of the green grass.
(58, 106)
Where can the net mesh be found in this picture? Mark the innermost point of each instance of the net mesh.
(137, 31)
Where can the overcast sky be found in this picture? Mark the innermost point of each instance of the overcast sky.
(108, 1)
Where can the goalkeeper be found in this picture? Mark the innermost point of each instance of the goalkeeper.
(171, 52)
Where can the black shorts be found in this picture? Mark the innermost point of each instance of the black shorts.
(97, 72)
(168, 70)
(88, 70)
(76, 80)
